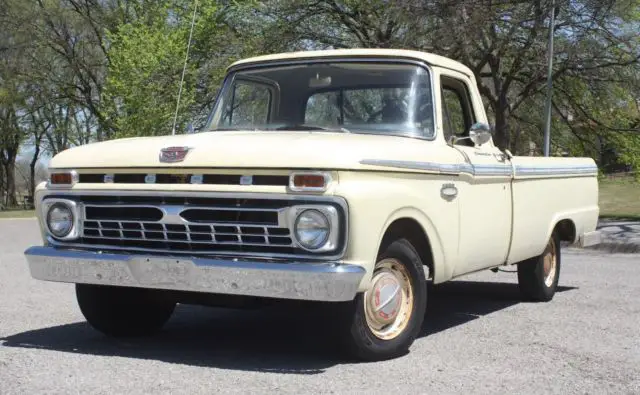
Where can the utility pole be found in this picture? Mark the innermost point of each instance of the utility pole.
(547, 128)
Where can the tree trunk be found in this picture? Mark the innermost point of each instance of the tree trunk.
(2, 185)
(9, 156)
(32, 168)
(10, 169)
(502, 138)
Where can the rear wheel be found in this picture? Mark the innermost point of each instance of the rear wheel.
(538, 276)
(123, 312)
(384, 321)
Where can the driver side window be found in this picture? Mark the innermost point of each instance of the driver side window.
(456, 112)
(250, 104)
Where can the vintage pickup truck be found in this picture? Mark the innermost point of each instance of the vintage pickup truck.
(356, 178)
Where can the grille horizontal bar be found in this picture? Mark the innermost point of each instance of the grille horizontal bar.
(186, 237)
(184, 247)
(192, 201)
(255, 242)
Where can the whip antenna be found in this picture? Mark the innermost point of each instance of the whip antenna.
(184, 68)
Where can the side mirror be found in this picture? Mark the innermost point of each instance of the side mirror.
(480, 133)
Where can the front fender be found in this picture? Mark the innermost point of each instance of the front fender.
(377, 199)
(441, 270)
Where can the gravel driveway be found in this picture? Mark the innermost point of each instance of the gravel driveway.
(478, 338)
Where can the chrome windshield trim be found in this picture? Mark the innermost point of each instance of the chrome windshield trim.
(231, 72)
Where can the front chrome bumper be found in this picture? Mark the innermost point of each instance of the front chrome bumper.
(331, 282)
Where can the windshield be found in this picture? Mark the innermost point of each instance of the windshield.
(355, 97)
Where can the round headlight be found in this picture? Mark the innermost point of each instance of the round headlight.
(312, 229)
(60, 219)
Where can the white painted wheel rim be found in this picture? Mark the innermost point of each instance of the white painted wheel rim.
(550, 263)
(388, 302)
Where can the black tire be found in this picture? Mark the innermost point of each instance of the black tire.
(531, 274)
(359, 340)
(122, 311)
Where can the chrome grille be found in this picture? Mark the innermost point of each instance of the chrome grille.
(193, 233)
(186, 227)
(197, 223)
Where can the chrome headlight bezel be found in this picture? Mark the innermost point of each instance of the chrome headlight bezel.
(48, 204)
(331, 242)
(323, 231)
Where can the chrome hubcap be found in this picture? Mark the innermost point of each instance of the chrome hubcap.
(550, 261)
(389, 301)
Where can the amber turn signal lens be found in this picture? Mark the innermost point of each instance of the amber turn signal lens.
(61, 178)
(302, 181)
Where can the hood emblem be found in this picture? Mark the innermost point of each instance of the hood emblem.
(173, 154)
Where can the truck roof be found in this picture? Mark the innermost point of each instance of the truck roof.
(429, 58)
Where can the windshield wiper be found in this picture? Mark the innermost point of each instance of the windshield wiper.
(312, 127)
(222, 129)
(287, 127)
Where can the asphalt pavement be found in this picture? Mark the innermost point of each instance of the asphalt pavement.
(619, 235)
(477, 338)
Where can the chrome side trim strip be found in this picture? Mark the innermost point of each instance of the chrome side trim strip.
(485, 170)
(326, 281)
(492, 170)
(444, 168)
(523, 171)
(426, 166)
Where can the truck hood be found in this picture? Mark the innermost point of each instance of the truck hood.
(248, 149)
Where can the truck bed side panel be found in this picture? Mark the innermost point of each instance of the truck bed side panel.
(546, 191)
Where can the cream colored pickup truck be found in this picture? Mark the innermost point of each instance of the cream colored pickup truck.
(358, 178)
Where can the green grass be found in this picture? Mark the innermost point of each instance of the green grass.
(620, 198)
(17, 213)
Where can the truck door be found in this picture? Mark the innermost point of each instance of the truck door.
(484, 185)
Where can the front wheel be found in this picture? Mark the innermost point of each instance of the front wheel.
(538, 276)
(384, 321)
(124, 312)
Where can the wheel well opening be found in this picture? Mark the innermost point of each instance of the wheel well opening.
(411, 230)
(566, 230)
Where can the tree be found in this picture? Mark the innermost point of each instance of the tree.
(503, 42)
(147, 57)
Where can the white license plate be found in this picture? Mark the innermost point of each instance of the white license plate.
(161, 271)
